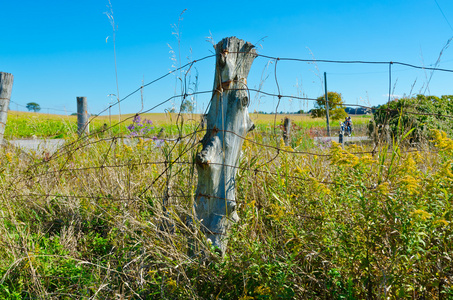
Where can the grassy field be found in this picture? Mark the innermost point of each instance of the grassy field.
(28, 124)
(108, 220)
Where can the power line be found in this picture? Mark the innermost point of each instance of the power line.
(442, 12)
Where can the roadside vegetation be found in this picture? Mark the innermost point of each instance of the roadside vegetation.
(420, 113)
(109, 220)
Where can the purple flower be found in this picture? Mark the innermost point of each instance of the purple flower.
(159, 143)
(139, 126)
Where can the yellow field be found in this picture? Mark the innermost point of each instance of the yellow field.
(12, 114)
(170, 118)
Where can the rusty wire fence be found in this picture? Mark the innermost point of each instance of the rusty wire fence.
(191, 139)
(150, 176)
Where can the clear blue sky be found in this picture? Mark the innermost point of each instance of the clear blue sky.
(57, 50)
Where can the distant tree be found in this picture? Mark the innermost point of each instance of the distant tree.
(187, 106)
(336, 107)
(33, 106)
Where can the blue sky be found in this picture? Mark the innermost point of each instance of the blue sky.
(58, 50)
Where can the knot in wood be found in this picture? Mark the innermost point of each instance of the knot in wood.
(201, 159)
(245, 101)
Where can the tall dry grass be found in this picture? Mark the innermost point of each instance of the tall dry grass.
(108, 218)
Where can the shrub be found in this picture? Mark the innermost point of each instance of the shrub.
(420, 113)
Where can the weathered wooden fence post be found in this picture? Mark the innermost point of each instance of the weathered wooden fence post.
(6, 86)
(287, 131)
(228, 122)
(82, 116)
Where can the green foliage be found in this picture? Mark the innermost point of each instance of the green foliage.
(110, 220)
(423, 113)
(33, 106)
(336, 107)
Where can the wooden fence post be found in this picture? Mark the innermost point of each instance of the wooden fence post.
(228, 122)
(82, 116)
(287, 131)
(6, 86)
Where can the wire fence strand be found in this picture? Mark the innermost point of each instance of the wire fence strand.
(34, 170)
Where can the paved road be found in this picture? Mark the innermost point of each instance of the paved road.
(51, 146)
(38, 145)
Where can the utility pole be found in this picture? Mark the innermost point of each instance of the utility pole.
(327, 104)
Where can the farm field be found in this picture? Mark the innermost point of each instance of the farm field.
(39, 125)
(101, 218)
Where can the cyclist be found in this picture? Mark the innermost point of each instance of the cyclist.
(348, 125)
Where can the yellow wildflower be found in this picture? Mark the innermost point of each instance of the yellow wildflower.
(441, 222)
(442, 142)
(383, 189)
(424, 215)
(262, 290)
(411, 184)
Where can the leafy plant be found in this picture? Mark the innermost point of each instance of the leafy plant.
(422, 113)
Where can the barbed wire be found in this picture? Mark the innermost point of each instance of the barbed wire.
(176, 159)
(91, 139)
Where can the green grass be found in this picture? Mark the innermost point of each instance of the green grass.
(90, 222)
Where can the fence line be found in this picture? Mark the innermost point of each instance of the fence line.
(36, 179)
(278, 95)
(87, 140)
